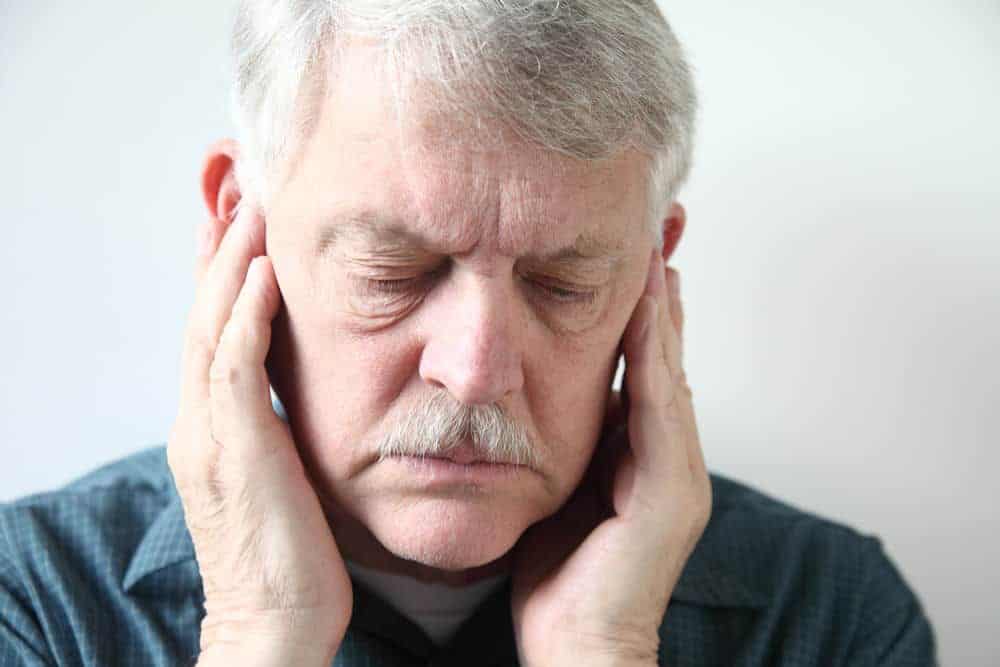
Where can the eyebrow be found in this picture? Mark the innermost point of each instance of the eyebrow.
(376, 228)
(366, 225)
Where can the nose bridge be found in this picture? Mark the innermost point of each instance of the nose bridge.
(475, 352)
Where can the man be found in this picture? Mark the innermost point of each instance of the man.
(443, 226)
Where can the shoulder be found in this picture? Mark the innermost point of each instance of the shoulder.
(792, 582)
(112, 505)
(774, 544)
(769, 531)
(65, 559)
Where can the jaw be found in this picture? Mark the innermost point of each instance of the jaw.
(455, 539)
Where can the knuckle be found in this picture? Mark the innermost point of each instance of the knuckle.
(664, 349)
(222, 374)
(685, 389)
(201, 345)
(240, 333)
(669, 397)
(185, 457)
(670, 409)
(224, 370)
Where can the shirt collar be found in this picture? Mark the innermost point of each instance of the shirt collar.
(165, 544)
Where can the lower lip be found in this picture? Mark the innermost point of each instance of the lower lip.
(447, 471)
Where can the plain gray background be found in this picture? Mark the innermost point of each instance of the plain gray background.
(840, 265)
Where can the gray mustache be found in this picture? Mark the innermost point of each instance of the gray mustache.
(438, 424)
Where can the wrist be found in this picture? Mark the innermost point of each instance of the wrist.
(615, 658)
(612, 650)
(272, 639)
(592, 655)
(254, 652)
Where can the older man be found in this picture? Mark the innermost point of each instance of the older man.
(443, 225)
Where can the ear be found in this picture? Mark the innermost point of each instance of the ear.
(673, 227)
(219, 188)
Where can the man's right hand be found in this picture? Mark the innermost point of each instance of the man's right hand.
(276, 589)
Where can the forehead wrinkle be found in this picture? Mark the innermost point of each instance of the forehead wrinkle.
(535, 219)
(460, 208)
(513, 216)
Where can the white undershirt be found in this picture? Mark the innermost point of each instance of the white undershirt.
(439, 609)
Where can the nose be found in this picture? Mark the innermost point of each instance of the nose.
(473, 346)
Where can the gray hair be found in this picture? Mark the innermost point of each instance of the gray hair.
(587, 79)
(438, 424)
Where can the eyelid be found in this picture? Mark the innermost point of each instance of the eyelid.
(565, 294)
(394, 286)
(554, 290)
(391, 285)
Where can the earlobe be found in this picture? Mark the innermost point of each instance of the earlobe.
(673, 228)
(219, 187)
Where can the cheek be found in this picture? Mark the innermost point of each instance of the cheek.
(566, 388)
(333, 356)
(342, 382)
(357, 376)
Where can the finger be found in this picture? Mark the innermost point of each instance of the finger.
(220, 285)
(188, 459)
(647, 377)
(673, 327)
(208, 236)
(655, 433)
(676, 307)
(242, 416)
(656, 287)
(662, 428)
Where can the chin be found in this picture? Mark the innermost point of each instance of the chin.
(448, 533)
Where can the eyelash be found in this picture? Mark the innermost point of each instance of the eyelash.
(400, 286)
(567, 296)
(390, 287)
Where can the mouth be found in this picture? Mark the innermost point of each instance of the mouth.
(440, 470)
(465, 454)
(462, 465)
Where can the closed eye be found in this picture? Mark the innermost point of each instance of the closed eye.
(389, 287)
(395, 288)
(564, 294)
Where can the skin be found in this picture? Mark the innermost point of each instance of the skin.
(488, 315)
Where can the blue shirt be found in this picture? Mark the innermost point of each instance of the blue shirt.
(102, 573)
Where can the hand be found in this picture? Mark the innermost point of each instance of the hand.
(592, 582)
(276, 589)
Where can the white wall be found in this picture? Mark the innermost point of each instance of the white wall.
(839, 267)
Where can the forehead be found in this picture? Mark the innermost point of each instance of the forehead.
(462, 184)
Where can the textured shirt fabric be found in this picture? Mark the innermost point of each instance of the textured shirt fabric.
(103, 573)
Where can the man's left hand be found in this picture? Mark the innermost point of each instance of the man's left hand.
(592, 582)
